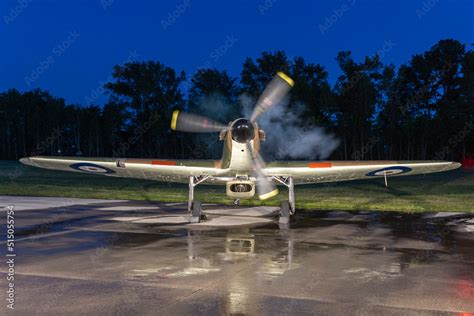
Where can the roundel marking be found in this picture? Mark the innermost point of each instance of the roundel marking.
(91, 168)
(389, 171)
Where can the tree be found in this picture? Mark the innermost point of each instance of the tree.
(114, 123)
(256, 75)
(213, 94)
(312, 91)
(466, 109)
(150, 90)
(357, 95)
(447, 58)
(424, 109)
(428, 95)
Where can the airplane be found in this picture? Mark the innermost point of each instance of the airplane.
(241, 168)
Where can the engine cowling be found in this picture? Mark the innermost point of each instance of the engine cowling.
(240, 189)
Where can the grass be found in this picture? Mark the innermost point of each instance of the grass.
(449, 191)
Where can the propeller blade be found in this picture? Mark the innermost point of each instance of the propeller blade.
(186, 122)
(273, 93)
(265, 188)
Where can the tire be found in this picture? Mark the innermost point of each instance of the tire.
(196, 209)
(285, 215)
(285, 209)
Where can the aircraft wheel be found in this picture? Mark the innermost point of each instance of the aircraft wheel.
(196, 212)
(285, 212)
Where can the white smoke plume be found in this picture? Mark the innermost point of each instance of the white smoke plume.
(286, 135)
(217, 107)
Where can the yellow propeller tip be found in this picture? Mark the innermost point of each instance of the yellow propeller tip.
(174, 119)
(268, 195)
(286, 78)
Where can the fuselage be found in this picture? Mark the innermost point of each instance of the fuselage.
(242, 134)
(241, 143)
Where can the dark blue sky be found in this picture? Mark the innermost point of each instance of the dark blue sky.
(70, 47)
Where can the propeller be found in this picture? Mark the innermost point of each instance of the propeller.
(273, 93)
(243, 130)
(186, 122)
(265, 188)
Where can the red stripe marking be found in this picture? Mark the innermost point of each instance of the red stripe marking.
(163, 162)
(319, 165)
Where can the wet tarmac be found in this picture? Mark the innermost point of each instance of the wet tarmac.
(105, 257)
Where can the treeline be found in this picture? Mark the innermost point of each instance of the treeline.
(423, 109)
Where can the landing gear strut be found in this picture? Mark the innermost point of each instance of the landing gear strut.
(287, 207)
(194, 207)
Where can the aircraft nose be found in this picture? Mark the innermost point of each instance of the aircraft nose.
(242, 130)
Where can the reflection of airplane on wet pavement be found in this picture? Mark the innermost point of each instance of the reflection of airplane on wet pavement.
(235, 250)
(241, 168)
(242, 245)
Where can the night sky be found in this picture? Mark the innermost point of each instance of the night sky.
(70, 47)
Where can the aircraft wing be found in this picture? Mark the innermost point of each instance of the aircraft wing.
(180, 170)
(331, 171)
(151, 169)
